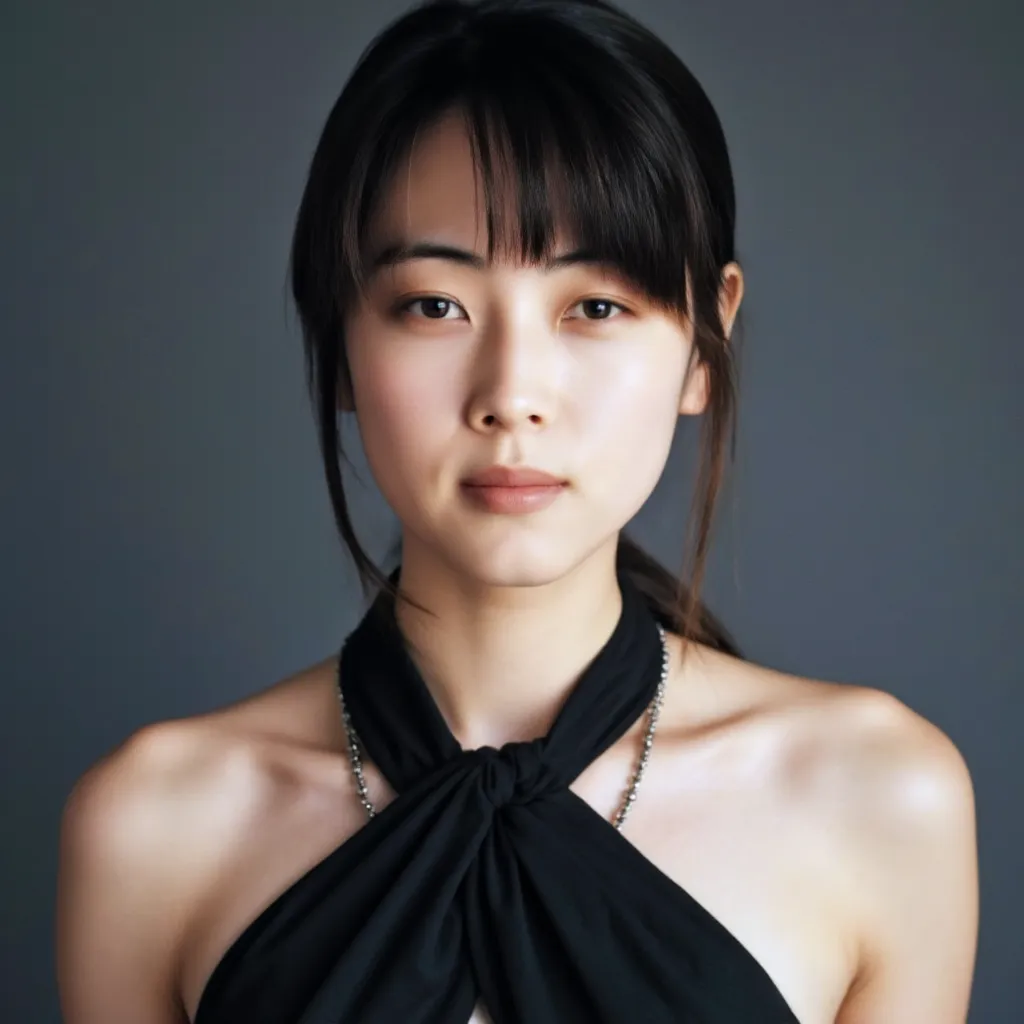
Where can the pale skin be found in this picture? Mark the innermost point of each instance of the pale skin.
(829, 827)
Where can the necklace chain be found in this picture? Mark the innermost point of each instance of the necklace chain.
(653, 711)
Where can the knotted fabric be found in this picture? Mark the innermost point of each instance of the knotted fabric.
(487, 878)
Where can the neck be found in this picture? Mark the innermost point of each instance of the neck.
(500, 660)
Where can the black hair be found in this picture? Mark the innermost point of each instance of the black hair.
(592, 118)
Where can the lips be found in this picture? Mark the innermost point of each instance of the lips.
(512, 491)
(508, 476)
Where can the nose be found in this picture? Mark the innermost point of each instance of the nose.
(515, 379)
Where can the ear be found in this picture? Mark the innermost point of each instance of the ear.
(696, 390)
(730, 295)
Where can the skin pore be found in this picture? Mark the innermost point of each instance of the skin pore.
(828, 826)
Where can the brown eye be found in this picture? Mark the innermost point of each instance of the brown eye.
(434, 307)
(599, 309)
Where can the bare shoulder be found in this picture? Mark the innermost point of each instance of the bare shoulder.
(908, 814)
(907, 773)
(897, 779)
(862, 744)
(889, 775)
(895, 798)
(150, 827)
(127, 872)
(132, 803)
(886, 761)
(202, 772)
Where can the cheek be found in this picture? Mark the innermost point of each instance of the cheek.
(403, 411)
(615, 417)
(630, 419)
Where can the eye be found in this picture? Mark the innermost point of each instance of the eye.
(601, 307)
(435, 307)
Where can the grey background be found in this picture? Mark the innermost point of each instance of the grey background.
(167, 543)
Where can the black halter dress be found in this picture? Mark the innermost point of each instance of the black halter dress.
(487, 879)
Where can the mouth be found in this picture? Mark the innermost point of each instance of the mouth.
(513, 500)
(511, 476)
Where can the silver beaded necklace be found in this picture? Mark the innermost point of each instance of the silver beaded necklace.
(653, 710)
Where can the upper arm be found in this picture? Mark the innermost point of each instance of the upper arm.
(917, 878)
(116, 923)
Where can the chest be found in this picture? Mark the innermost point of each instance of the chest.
(753, 864)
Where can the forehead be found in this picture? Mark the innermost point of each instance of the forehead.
(436, 194)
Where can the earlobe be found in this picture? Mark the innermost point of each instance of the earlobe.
(695, 391)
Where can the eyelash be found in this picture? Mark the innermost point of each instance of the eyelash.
(404, 307)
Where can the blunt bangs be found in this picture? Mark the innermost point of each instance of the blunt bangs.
(561, 118)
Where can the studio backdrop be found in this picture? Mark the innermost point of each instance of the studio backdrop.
(168, 543)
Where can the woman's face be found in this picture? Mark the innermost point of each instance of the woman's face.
(456, 367)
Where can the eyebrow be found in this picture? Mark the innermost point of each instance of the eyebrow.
(392, 255)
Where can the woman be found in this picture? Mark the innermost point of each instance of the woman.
(538, 783)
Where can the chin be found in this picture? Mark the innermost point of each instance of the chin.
(519, 564)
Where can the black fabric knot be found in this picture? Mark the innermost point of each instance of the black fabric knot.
(542, 912)
(513, 774)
